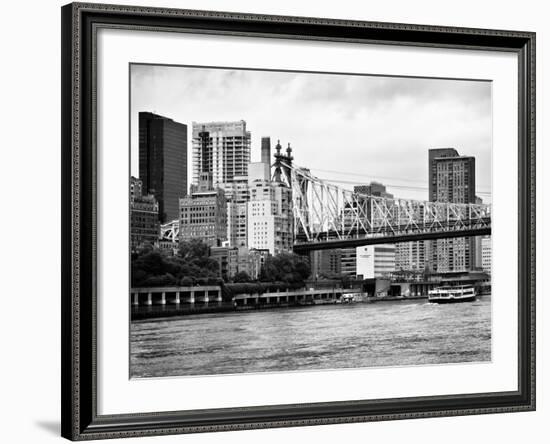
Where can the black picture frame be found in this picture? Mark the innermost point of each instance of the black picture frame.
(78, 333)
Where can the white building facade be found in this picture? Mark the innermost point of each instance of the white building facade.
(375, 261)
(269, 212)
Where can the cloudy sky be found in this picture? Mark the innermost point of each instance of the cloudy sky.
(346, 128)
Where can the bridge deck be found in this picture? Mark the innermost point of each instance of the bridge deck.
(305, 247)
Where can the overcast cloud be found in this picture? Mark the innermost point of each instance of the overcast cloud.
(342, 127)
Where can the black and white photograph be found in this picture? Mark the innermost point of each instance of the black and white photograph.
(296, 221)
(275, 222)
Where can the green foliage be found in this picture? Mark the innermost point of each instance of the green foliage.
(152, 267)
(241, 276)
(285, 267)
(193, 266)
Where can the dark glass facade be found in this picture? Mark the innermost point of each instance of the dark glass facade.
(452, 179)
(266, 150)
(163, 162)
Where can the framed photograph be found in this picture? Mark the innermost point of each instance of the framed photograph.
(276, 221)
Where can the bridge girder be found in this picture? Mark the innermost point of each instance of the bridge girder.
(327, 214)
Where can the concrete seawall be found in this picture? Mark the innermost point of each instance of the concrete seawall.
(162, 302)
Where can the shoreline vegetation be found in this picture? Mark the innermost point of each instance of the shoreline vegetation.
(193, 266)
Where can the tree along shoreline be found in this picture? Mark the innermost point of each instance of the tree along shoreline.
(193, 266)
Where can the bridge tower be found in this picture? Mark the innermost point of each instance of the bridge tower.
(283, 164)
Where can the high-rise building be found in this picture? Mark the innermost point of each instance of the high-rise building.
(221, 149)
(236, 193)
(452, 179)
(433, 154)
(375, 261)
(270, 218)
(144, 217)
(163, 162)
(410, 256)
(486, 254)
(203, 214)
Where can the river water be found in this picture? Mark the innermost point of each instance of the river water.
(313, 337)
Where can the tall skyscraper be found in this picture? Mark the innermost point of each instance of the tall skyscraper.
(221, 149)
(452, 179)
(163, 162)
(433, 154)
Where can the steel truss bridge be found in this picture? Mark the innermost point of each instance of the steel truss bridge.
(170, 231)
(328, 216)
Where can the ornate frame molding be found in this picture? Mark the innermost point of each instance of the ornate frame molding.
(80, 22)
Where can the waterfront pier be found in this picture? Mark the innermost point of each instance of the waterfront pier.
(176, 295)
(291, 297)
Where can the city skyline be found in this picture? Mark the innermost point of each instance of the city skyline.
(262, 228)
(369, 106)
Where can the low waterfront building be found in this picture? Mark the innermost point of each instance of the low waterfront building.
(221, 255)
(144, 217)
(169, 247)
(375, 261)
(233, 260)
(203, 214)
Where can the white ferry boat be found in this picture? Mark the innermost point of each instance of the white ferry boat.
(347, 298)
(449, 294)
